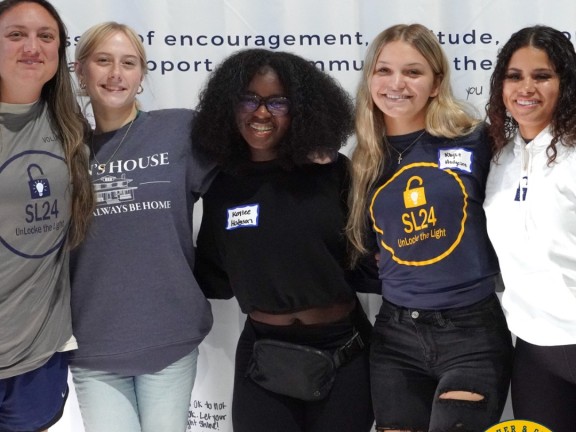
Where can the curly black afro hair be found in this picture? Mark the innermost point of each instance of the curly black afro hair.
(321, 110)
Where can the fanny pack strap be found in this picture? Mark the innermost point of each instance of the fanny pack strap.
(348, 351)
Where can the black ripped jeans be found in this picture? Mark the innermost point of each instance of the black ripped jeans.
(417, 355)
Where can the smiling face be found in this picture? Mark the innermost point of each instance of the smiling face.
(112, 74)
(261, 130)
(401, 86)
(530, 90)
(29, 42)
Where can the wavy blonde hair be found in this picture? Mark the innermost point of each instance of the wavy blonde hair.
(445, 116)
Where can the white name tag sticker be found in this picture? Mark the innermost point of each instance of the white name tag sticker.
(455, 158)
(241, 217)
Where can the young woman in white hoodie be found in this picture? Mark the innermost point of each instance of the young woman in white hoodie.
(531, 209)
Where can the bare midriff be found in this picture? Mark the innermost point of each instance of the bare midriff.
(316, 315)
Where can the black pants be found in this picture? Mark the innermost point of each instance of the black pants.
(346, 409)
(417, 355)
(544, 385)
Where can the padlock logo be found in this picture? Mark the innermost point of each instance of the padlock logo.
(414, 197)
(39, 185)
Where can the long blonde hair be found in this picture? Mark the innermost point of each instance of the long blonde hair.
(445, 116)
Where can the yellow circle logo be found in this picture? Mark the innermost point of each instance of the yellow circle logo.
(518, 426)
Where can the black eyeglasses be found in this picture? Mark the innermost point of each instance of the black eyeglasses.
(276, 105)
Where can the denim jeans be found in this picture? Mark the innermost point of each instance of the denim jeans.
(144, 403)
(417, 355)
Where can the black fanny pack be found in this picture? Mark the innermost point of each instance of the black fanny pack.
(299, 371)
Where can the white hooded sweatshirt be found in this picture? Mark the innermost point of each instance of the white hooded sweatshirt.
(531, 211)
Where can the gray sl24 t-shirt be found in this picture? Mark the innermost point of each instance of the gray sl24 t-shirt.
(35, 194)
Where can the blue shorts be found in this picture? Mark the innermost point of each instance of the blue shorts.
(34, 401)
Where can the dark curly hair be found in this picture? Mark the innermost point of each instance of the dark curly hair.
(561, 53)
(321, 110)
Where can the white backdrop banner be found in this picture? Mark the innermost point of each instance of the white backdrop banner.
(186, 39)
